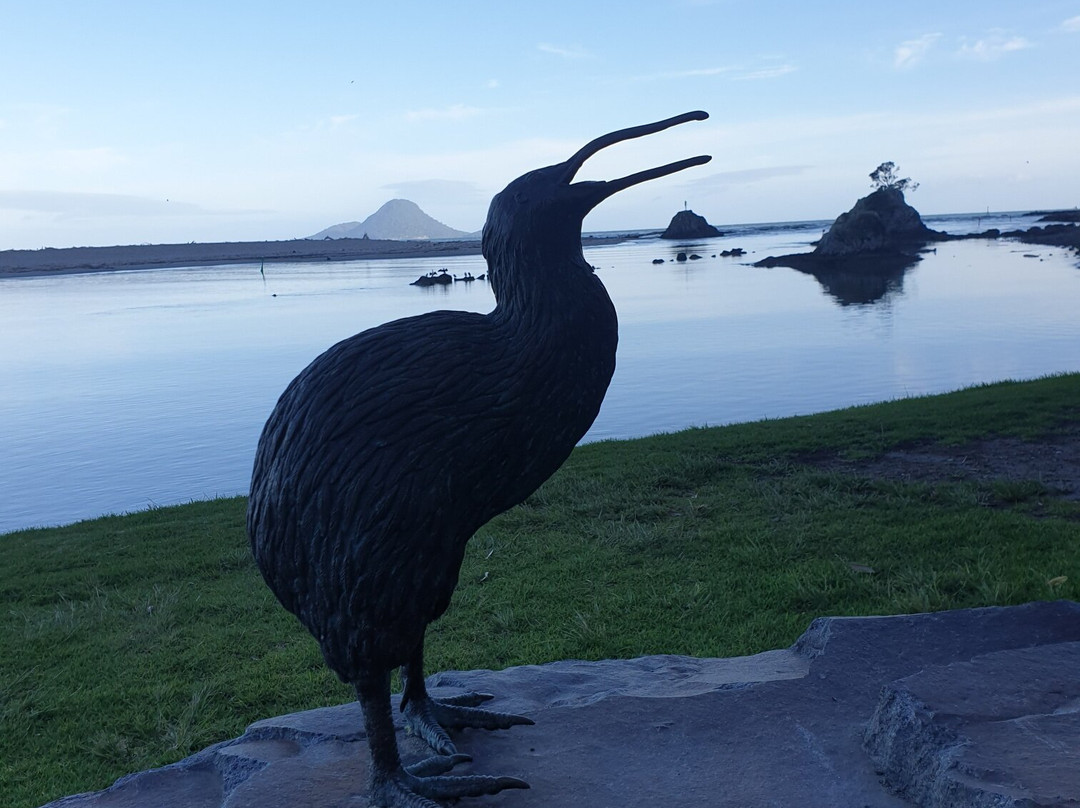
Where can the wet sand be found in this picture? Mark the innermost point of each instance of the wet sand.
(56, 261)
(59, 261)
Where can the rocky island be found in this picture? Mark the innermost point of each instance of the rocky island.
(866, 251)
(687, 224)
(882, 223)
(882, 231)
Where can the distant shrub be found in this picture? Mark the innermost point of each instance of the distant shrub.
(885, 176)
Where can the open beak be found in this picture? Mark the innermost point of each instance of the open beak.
(597, 192)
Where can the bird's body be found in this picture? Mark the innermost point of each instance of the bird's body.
(390, 450)
(385, 455)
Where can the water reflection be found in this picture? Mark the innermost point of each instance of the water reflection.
(861, 283)
(857, 280)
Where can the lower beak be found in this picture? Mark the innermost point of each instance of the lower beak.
(600, 191)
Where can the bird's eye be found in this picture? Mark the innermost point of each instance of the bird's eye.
(520, 198)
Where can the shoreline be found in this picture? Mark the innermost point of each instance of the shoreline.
(77, 260)
(50, 261)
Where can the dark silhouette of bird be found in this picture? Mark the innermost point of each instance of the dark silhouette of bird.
(381, 460)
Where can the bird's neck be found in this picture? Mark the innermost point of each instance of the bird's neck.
(532, 280)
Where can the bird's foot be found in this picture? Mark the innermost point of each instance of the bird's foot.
(408, 789)
(430, 718)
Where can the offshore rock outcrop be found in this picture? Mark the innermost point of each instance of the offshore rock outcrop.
(687, 224)
(1066, 236)
(882, 222)
(1061, 216)
(866, 251)
(1051, 235)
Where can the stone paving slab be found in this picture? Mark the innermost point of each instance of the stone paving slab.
(1000, 727)
(977, 704)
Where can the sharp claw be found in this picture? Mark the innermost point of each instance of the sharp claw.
(510, 782)
(446, 747)
(403, 789)
(455, 717)
(437, 764)
(470, 699)
(449, 787)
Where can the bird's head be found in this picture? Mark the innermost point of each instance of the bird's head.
(540, 213)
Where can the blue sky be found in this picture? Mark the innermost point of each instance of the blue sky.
(124, 122)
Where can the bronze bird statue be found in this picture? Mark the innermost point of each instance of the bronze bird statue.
(380, 460)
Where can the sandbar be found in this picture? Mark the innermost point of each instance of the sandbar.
(68, 260)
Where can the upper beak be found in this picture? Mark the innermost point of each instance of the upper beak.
(599, 191)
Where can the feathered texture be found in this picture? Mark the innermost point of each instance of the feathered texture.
(391, 449)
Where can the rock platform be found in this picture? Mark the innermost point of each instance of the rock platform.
(972, 708)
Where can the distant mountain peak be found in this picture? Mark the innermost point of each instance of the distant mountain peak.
(398, 219)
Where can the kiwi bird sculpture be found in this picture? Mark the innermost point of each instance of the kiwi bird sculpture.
(381, 459)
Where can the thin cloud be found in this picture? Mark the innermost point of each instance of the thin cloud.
(731, 72)
(574, 52)
(993, 47)
(747, 176)
(766, 73)
(1072, 25)
(73, 205)
(912, 51)
(459, 190)
(94, 160)
(688, 74)
(455, 112)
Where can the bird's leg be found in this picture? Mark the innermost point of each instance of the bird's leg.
(393, 786)
(430, 718)
(374, 696)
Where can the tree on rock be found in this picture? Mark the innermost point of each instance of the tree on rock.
(885, 176)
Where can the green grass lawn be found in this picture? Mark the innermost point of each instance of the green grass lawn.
(130, 642)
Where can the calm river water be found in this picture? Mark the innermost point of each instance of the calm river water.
(126, 390)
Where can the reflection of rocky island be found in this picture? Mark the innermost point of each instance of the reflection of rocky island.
(687, 224)
(865, 253)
